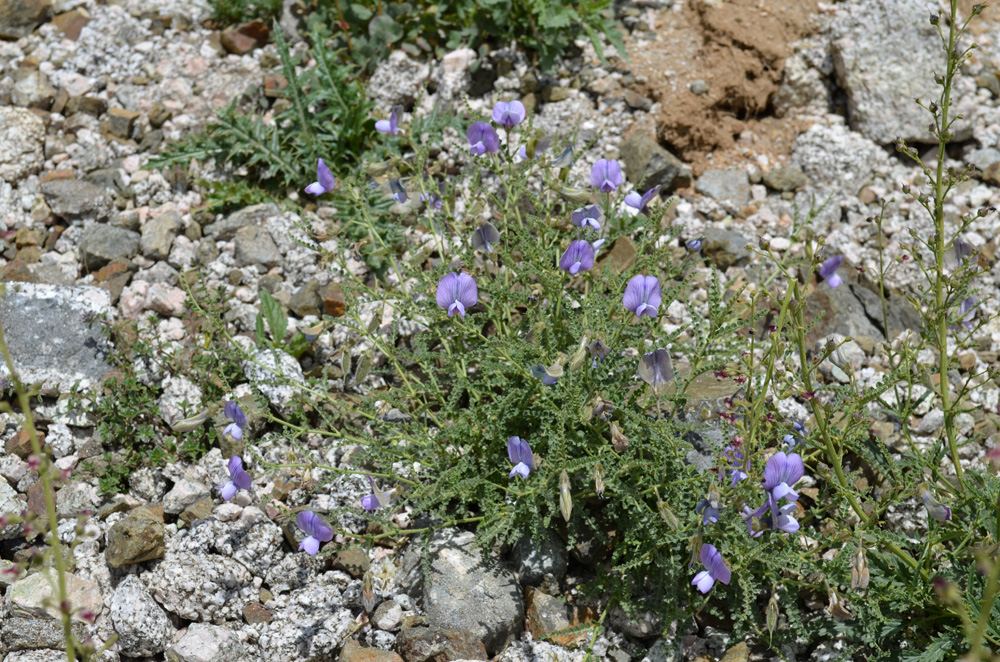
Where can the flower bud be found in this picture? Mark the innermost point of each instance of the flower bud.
(565, 497)
(599, 480)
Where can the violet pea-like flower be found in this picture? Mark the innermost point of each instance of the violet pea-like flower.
(738, 464)
(642, 295)
(238, 479)
(398, 192)
(715, 569)
(968, 311)
(391, 125)
(457, 292)
(578, 257)
(509, 114)
(586, 217)
(828, 270)
(378, 498)
(482, 139)
(325, 181)
(606, 175)
(484, 237)
(935, 509)
(656, 369)
(638, 202)
(233, 411)
(519, 453)
(316, 530)
(782, 471)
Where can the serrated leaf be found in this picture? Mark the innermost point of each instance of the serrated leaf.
(276, 320)
(260, 332)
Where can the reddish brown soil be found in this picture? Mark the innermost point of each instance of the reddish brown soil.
(738, 47)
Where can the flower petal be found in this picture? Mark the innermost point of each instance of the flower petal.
(325, 177)
(242, 479)
(383, 126)
(228, 491)
(310, 546)
(305, 521)
(446, 290)
(468, 293)
(704, 581)
(369, 502)
(235, 464)
(633, 293)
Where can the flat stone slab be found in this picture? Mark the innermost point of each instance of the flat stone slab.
(49, 337)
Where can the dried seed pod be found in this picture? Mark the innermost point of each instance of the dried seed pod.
(599, 480)
(666, 514)
(368, 591)
(364, 367)
(565, 497)
(859, 570)
(772, 612)
(192, 423)
(618, 440)
(579, 356)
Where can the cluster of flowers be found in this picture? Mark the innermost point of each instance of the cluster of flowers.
(316, 529)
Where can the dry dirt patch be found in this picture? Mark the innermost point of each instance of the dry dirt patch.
(734, 48)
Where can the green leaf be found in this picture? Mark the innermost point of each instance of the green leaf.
(260, 333)
(384, 30)
(276, 320)
(359, 12)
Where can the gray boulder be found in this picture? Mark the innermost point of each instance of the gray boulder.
(728, 186)
(102, 244)
(465, 591)
(256, 247)
(646, 161)
(207, 643)
(158, 235)
(143, 627)
(72, 199)
(50, 338)
(885, 54)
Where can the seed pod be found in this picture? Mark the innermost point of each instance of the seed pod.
(772, 612)
(666, 514)
(837, 609)
(368, 591)
(618, 440)
(364, 367)
(575, 196)
(375, 321)
(565, 497)
(377, 169)
(345, 361)
(599, 480)
(859, 570)
(579, 356)
(192, 423)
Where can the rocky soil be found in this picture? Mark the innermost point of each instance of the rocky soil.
(750, 111)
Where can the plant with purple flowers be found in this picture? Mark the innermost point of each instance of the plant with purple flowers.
(316, 531)
(238, 479)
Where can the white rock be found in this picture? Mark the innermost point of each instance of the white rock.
(207, 643)
(143, 627)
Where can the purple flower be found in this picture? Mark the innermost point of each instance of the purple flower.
(709, 507)
(935, 508)
(520, 455)
(694, 245)
(325, 181)
(317, 531)
(606, 175)
(586, 217)
(828, 270)
(509, 114)
(968, 311)
(656, 369)
(482, 138)
(642, 295)
(541, 372)
(391, 125)
(432, 199)
(235, 429)
(238, 479)
(485, 236)
(782, 471)
(636, 201)
(578, 257)
(961, 249)
(398, 192)
(377, 498)
(457, 292)
(715, 569)
(738, 465)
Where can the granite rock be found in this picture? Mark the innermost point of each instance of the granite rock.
(143, 627)
(21, 148)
